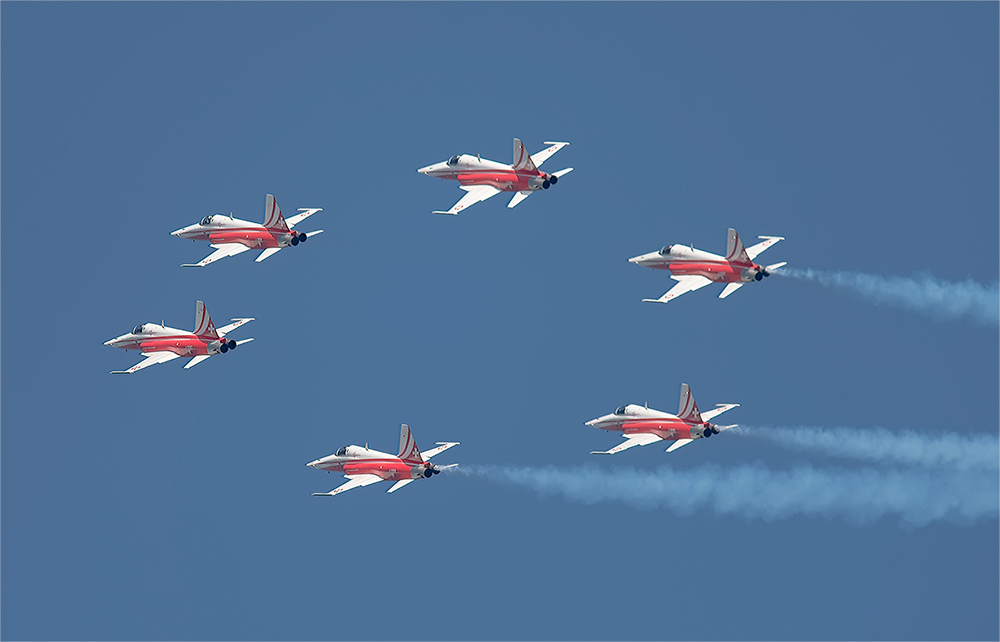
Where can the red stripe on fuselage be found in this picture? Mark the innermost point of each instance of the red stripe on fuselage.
(716, 271)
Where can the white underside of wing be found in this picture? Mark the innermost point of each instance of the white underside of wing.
(718, 410)
(546, 153)
(677, 444)
(520, 196)
(732, 287)
(632, 441)
(221, 251)
(306, 212)
(442, 446)
(152, 358)
(400, 484)
(196, 360)
(271, 251)
(356, 481)
(476, 193)
(754, 250)
(226, 329)
(684, 285)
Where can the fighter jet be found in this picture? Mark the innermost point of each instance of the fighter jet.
(362, 466)
(483, 179)
(641, 426)
(160, 344)
(231, 236)
(694, 269)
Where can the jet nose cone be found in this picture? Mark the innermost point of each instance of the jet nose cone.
(425, 170)
(592, 422)
(313, 463)
(109, 342)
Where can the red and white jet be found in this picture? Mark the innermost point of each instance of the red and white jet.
(641, 426)
(160, 344)
(483, 179)
(231, 236)
(362, 466)
(694, 269)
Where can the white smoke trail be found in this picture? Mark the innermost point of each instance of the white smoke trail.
(906, 448)
(920, 292)
(916, 497)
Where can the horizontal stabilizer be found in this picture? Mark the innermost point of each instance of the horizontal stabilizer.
(196, 360)
(729, 289)
(242, 341)
(562, 172)
(520, 196)
(271, 251)
(775, 266)
(400, 484)
(677, 444)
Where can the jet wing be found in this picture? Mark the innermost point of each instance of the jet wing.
(441, 447)
(226, 329)
(356, 481)
(732, 287)
(221, 252)
(544, 155)
(677, 444)
(476, 193)
(152, 358)
(306, 212)
(754, 250)
(687, 283)
(641, 439)
(718, 410)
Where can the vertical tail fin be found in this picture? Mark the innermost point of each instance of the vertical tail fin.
(735, 251)
(203, 326)
(688, 408)
(273, 220)
(408, 445)
(522, 161)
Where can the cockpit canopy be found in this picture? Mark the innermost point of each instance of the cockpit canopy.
(208, 219)
(138, 329)
(666, 250)
(342, 452)
(454, 159)
(620, 411)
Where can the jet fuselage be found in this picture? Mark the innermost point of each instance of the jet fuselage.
(471, 170)
(633, 419)
(355, 460)
(680, 260)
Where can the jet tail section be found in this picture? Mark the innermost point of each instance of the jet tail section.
(273, 220)
(688, 408)
(522, 160)
(408, 445)
(203, 326)
(735, 252)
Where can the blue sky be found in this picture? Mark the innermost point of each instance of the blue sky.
(175, 504)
